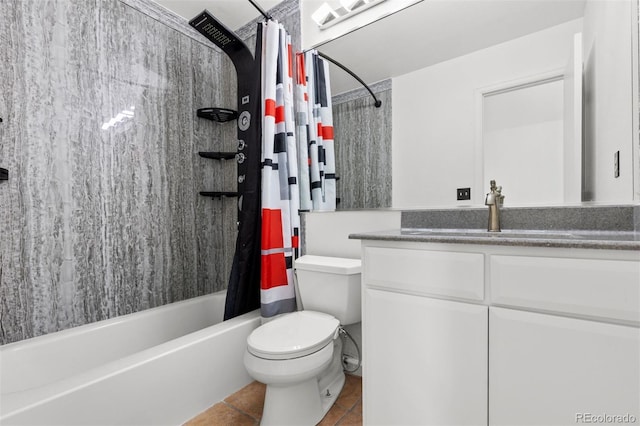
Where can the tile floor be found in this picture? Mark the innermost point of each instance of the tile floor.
(245, 407)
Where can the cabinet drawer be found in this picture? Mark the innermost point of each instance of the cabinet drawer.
(439, 273)
(589, 287)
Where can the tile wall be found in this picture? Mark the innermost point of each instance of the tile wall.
(101, 215)
(363, 148)
(101, 220)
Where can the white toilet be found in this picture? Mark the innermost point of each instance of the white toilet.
(298, 355)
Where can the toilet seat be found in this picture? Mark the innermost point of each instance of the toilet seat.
(293, 335)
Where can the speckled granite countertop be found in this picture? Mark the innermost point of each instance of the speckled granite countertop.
(600, 227)
(611, 240)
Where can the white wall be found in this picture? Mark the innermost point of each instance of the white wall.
(434, 114)
(327, 233)
(608, 77)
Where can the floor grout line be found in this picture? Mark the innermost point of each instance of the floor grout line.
(240, 411)
(249, 397)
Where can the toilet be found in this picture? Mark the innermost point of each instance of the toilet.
(298, 355)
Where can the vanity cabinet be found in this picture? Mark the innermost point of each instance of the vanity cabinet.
(426, 360)
(481, 334)
(424, 337)
(566, 343)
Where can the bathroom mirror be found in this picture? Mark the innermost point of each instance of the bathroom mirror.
(441, 54)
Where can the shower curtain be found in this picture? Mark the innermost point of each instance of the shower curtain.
(280, 194)
(298, 165)
(315, 134)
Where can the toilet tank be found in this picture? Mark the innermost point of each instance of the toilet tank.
(330, 285)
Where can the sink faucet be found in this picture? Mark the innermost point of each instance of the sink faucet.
(494, 200)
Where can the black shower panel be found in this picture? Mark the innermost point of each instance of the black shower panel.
(243, 292)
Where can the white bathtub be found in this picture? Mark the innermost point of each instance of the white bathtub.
(161, 366)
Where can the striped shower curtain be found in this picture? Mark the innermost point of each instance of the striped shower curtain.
(280, 193)
(315, 133)
(298, 173)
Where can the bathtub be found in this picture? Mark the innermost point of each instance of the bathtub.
(161, 366)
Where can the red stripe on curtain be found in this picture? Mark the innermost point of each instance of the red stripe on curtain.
(270, 108)
(290, 60)
(302, 77)
(327, 132)
(280, 114)
(273, 271)
(272, 237)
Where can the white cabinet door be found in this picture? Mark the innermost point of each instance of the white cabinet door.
(551, 370)
(425, 361)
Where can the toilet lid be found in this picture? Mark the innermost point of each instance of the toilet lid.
(293, 335)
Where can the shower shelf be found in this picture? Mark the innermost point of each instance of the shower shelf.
(216, 194)
(221, 115)
(4, 174)
(217, 155)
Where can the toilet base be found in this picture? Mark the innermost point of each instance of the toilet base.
(304, 403)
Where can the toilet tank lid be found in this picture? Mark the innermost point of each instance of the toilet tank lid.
(335, 265)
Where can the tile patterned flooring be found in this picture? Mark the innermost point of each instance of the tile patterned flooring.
(244, 408)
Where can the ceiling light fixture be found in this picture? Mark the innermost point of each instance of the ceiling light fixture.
(349, 5)
(326, 16)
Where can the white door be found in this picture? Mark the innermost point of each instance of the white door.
(551, 370)
(522, 140)
(425, 361)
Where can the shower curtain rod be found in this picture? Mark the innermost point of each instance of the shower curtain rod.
(261, 10)
(377, 103)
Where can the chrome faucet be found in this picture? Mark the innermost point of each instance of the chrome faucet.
(494, 200)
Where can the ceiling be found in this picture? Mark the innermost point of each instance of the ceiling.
(421, 35)
(433, 31)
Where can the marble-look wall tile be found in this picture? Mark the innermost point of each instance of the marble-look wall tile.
(362, 135)
(216, 217)
(99, 221)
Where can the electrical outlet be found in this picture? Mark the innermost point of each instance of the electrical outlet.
(464, 194)
(616, 164)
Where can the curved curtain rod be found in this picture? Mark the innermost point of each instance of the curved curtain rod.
(261, 10)
(377, 103)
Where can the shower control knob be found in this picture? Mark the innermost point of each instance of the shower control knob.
(241, 157)
(240, 178)
(241, 145)
(244, 121)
